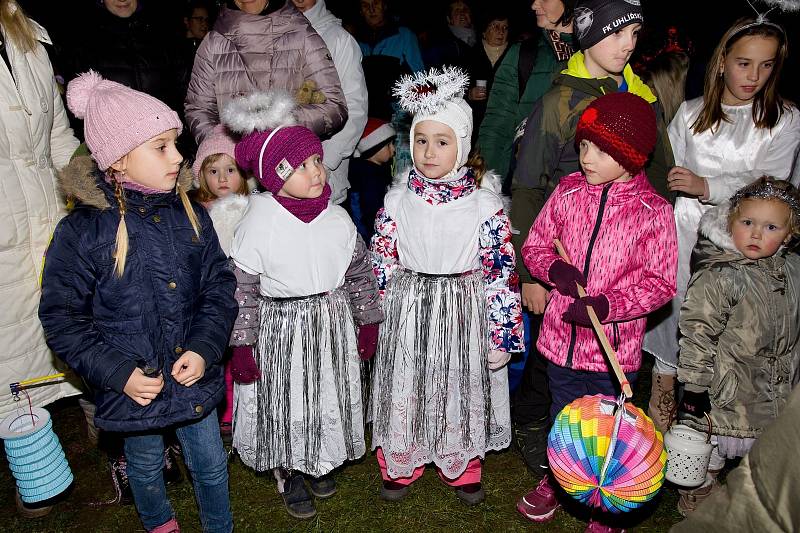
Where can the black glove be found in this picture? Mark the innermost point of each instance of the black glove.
(696, 404)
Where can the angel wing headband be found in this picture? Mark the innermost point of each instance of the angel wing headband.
(761, 18)
(426, 92)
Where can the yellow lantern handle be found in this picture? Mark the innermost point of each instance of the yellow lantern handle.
(17, 386)
(612, 355)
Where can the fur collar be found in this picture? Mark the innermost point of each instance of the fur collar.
(226, 213)
(714, 226)
(78, 180)
(715, 243)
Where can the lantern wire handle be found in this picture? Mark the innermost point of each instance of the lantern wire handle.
(20, 386)
(30, 408)
(614, 435)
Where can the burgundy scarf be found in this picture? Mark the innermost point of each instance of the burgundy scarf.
(306, 209)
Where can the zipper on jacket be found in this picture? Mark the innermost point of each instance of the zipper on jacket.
(595, 231)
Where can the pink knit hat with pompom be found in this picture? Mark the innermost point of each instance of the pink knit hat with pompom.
(272, 146)
(217, 142)
(116, 118)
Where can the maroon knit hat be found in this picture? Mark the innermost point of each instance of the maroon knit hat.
(286, 149)
(622, 125)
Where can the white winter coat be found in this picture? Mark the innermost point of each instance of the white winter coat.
(347, 60)
(734, 154)
(35, 138)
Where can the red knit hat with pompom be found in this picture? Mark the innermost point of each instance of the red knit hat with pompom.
(622, 125)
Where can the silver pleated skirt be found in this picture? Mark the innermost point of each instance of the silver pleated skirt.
(434, 398)
(305, 413)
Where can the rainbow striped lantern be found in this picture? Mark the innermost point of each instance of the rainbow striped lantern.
(607, 453)
(35, 455)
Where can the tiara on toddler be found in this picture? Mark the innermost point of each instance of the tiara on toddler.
(767, 188)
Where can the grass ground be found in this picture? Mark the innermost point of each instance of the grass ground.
(257, 506)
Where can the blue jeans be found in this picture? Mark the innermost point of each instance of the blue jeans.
(206, 460)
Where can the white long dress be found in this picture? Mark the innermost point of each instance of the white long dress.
(305, 413)
(735, 154)
(434, 399)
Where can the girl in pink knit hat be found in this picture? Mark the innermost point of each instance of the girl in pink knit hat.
(216, 174)
(220, 187)
(303, 415)
(137, 297)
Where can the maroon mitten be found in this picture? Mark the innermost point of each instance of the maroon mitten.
(367, 341)
(564, 276)
(243, 365)
(577, 313)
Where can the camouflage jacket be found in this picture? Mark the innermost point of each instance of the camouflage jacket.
(740, 327)
(547, 149)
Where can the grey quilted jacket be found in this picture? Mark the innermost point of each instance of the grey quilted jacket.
(740, 327)
(246, 53)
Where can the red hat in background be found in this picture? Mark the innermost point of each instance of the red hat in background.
(376, 132)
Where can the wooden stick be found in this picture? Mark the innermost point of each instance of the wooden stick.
(598, 328)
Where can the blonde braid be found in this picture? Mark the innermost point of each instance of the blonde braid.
(187, 206)
(121, 249)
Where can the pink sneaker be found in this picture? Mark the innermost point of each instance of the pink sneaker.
(167, 527)
(540, 504)
(596, 527)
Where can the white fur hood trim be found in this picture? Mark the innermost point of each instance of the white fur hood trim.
(226, 213)
(714, 226)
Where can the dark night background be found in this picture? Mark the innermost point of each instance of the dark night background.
(700, 21)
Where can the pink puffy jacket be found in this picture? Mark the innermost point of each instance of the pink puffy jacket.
(622, 237)
(246, 53)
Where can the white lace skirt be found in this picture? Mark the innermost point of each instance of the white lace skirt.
(305, 413)
(434, 398)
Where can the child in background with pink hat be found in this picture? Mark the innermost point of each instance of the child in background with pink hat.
(221, 188)
(303, 416)
(137, 297)
(216, 174)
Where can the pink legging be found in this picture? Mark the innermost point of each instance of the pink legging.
(226, 413)
(471, 475)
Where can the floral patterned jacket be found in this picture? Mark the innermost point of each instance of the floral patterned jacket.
(495, 251)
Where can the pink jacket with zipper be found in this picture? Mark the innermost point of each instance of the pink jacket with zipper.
(622, 237)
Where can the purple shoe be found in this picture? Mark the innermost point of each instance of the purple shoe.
(540, 504)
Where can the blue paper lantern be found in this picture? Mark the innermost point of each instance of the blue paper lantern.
(35, 456)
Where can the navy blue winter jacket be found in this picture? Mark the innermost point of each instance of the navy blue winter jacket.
(176, 294)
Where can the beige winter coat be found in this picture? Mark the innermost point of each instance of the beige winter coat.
(762, 495)
(246, 53)
(35, 138)
(740, 327)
